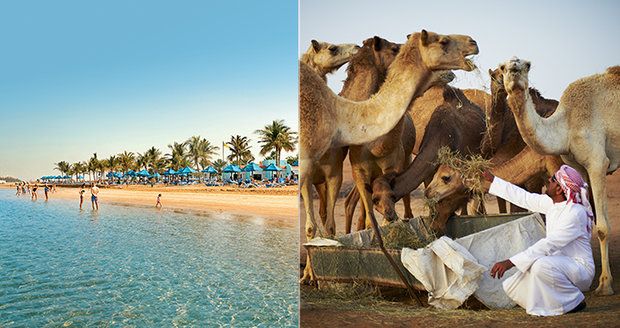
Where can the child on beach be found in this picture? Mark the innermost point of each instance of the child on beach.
(158, 204)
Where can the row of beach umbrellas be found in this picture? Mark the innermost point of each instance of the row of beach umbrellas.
(251, 167)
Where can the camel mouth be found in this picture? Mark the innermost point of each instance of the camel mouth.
(469, 64)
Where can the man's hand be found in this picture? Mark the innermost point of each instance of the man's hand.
(500, 267)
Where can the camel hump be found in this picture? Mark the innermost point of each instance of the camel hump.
(615, 70)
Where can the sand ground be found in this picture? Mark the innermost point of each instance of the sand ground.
(601, 311)
(277, 206)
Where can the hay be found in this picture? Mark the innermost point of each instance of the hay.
(470, 168)
(398, 235)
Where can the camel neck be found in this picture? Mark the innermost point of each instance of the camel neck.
(377, 116)
(544, 135)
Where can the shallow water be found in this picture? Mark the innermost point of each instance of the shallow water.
(127, 266)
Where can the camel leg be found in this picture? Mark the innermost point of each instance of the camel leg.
(408, 211)
(306, 194)
(350, 203)
(334, 183)
(321, 189)
(599, 192)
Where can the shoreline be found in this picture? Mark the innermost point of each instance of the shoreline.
(266, 207)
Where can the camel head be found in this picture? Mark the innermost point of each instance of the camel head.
(383, 51)
(446, 182)
(497, 81)
(383, 197)
(328, 57)
(445, 52)
(515, 72)
(440, 78)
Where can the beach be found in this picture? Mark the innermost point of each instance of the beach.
(268, 206)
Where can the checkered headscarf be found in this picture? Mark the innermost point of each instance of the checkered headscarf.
(575, 189)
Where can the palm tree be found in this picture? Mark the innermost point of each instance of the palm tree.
(113, 163)
(63, 167)
(78, 168)
(218, 164)
(142, 161)
(239, 150)
(200, 151)
(178, 156)
(126, 160)
(292, 159)
(93, 165)
(154, 160)
(276, 137)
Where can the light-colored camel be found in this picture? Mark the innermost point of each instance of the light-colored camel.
(460, 129)
(584, 131)
(448, 182)
(502, 140)
(389, 154)
(325, 58)
(329, 121)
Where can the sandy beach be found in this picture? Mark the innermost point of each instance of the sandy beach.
(277, 206)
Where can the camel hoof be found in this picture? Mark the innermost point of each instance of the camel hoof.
(602, 290)
(308, 277)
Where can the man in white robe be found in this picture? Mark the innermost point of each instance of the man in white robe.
(552, 272)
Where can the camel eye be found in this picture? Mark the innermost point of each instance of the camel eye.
(333, 49)
(444, 41)
(445, 179)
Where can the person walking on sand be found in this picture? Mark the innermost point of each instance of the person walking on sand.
(94, 191)
(82, 191)
(158, 204)
(554, 271)
(46, 190)
(33, 193)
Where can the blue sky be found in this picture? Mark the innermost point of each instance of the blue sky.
(80, 77)
(564, 40)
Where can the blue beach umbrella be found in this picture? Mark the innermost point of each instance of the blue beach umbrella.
(131, 173)
(209, 169)
(143, 173)
(170, 172)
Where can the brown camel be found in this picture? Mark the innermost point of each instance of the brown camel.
(459, 129)
(325, 58)
(502, 140)
(390, 153)
(329, 121)
(448, 181)
(583, 131)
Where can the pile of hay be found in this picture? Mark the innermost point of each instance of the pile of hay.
(400, 234)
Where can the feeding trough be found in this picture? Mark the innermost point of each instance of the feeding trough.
(359, 259)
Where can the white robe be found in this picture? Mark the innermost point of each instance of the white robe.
(552, 272)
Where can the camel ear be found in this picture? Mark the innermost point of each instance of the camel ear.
(315, 45)
(377, 43)
(502, 67)
(408, 36)
(528, 65)
(490, 72)
(424, 38)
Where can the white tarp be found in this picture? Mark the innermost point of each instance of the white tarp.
(446, 269)
(447, 283)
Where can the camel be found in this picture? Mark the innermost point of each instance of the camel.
(448, 182)
(502, 140)
(391, 153)
(583, 131)
(459, 129)
(325, 58)
(329, 121)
